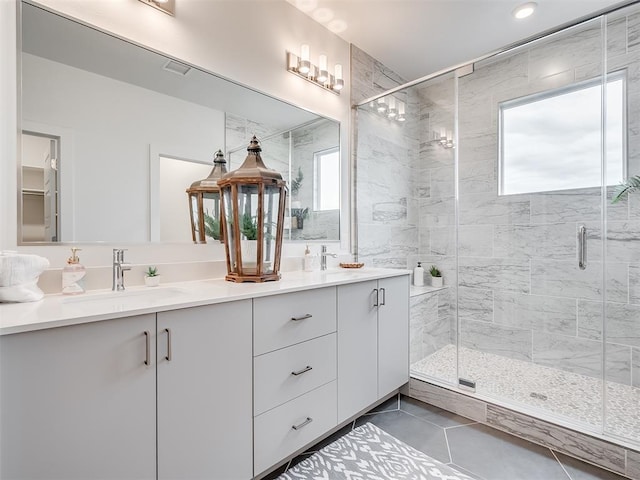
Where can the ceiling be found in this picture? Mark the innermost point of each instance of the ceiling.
(419, 37)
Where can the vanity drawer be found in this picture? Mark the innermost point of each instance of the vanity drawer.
(273, 327)
(275, 383)
(274, 435)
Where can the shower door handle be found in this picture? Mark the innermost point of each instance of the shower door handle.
(582, 247)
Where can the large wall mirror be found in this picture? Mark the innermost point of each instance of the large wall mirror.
(113, 134)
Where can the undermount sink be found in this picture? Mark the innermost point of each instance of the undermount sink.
(135, 295)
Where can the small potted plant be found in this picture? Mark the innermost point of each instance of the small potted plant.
(436, 276)
(152, 277)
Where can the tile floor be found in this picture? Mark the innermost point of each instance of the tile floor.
(470, 447)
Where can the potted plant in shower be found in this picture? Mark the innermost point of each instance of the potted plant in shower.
(152, 277)
(625, 188)
(436, 276)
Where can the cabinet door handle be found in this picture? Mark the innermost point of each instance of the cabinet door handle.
(300, 372)
(147, 357)
(375, 290)
(303, 317)
(384, 296)
(306, 422)
(169, 355)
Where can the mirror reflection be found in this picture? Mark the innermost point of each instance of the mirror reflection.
(114, 135)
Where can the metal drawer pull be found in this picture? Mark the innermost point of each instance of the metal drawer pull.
(377, 296)
(300, 372)
(303, 317)
(306, 422)
(384, 297)
(147, 357)
(169, 356)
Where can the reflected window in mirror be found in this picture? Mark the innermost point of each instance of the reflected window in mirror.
(551, 141)
(326, 180)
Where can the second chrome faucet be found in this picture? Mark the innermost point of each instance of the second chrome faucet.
(119, 267)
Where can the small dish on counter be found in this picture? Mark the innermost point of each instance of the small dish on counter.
(351, 265)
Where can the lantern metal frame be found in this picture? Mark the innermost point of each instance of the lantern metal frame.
(197, 190)
(254, 174)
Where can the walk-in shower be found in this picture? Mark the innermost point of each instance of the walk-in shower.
(502, 175)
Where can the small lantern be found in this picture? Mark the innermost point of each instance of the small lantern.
(253, 204)
(205, 204)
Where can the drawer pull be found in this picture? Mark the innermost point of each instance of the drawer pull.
(306, 422)
(303, 317)
(300, 372)
(147, 356)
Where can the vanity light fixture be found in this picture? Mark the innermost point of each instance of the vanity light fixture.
(205, 209)
(444, 138)
(524, 10)
(166, 6)
(318, 75)
(254, 198)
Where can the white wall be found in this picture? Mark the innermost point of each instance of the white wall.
(242, 40)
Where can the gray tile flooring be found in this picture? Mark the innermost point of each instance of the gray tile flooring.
(472, 448)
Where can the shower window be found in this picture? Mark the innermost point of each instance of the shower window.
(551, 141)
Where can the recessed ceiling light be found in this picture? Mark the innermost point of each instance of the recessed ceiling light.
(337, 26)
(322, 15)
(524, 10)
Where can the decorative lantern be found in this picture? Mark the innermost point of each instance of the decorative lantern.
(205, 204)
(253, 205)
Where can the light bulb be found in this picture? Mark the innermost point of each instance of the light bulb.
(304, 65)
(392, 108)
(338, 76)
(382, 106)
(524, 10)
(323, 74)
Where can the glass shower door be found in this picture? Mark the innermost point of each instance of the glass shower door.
(530, 213)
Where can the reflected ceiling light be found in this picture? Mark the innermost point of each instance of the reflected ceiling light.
(323, 15)
(382, 105)
(177, 67)
(166, 6)
(319, 75)
(306, 5)
(401, 111)
(524, 10)
(337, 26)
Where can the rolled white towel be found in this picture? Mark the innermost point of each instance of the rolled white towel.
(19, 275)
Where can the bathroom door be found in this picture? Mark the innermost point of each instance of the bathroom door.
(530, 214)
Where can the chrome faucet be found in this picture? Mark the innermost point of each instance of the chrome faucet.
(323, 257)
(119, 267)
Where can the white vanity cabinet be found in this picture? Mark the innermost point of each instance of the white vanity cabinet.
(78, 402)
(204, 392)
(373, 342)
(294, 367)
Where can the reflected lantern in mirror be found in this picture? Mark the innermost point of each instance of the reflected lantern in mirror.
(253, 205)
(205, 204)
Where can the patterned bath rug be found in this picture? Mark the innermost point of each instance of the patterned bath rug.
(368, 453)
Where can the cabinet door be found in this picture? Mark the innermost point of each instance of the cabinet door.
(393, 334)
(78, 402)
(357, 348)
(204, 393)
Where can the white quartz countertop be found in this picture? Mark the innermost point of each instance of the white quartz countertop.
(62, 310)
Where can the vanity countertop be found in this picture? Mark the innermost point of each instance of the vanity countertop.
(62, 310)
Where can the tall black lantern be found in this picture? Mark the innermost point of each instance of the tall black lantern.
(205, 204)
(253, 205)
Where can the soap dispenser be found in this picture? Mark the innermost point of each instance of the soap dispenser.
(73, 275)
(418, 276)
(308, 260)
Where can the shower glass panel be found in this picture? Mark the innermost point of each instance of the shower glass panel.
(621, 331)
(530, 214)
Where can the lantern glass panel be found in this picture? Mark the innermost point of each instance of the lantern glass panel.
(211, 212)
(195, 218)
(248, 225)
(230, 230)
(271, 206)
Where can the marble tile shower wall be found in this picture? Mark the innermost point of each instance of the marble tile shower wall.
(520, 292)
(386, 170)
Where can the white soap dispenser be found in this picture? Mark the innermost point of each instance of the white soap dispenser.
(418, 276)
(73, 275)
(308, 260)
